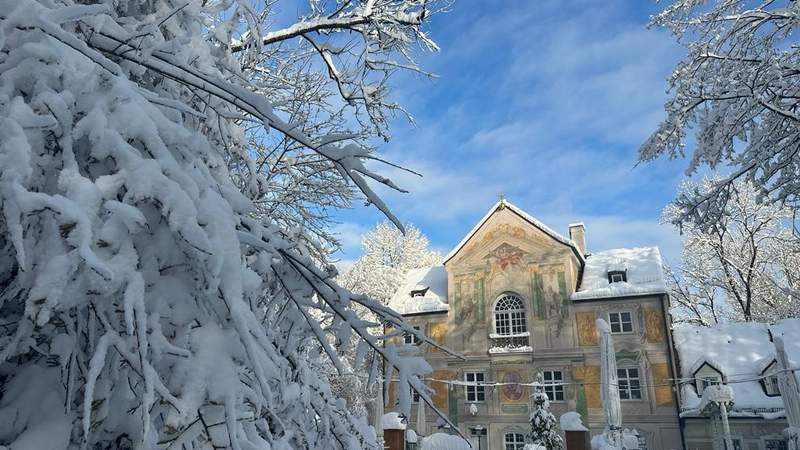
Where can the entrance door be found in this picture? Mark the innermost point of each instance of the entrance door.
(477, 437)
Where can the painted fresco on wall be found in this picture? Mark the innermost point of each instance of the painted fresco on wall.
(662, 384)
(587, 333)
(504, 257)
(654, 325)
(513, 392)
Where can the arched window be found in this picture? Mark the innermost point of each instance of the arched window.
(509, 316)
(514, 441)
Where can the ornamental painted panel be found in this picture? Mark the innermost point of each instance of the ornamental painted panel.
(512, 392)
(587, 333)
(654, 325)
(537, 295)
(438, 334)
(439, 397)
(661, 381)
(589, 378)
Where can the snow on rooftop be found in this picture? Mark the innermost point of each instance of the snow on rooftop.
(741, 351)
(642, 266)
(430, 280)
(503, 203)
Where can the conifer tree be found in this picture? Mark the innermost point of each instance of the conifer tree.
(544, 432)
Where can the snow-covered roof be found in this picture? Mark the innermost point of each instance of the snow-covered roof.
(643, 268)
(503, 203)
(741, 351)
(431, 280)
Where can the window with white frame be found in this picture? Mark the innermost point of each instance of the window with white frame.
(410, 339)
(514, 441)
(509, 316)
(775, 444)
(620, 321)
(628, 382)
(553, 385)
(474, 392)
(771, 384)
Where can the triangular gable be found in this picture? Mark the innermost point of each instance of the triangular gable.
(503, 204)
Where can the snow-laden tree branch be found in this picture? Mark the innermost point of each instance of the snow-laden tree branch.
(742, 268)
(739, 90)
(163, 231)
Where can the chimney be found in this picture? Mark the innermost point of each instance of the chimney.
(577, 233)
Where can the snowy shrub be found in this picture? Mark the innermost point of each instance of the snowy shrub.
(162, 281)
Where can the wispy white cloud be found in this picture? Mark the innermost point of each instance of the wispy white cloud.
(545, 102)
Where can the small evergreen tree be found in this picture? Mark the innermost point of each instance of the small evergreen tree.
(543, 423)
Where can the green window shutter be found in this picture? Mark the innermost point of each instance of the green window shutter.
(562, 291)
(537, 293)
(480, 311)
(452, 403)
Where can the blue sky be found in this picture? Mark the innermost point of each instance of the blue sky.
(546, 102)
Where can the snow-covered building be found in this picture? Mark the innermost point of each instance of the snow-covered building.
(515, 297)
(741, 356)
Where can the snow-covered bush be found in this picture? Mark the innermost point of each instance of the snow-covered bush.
(161, 279)
(544, 430)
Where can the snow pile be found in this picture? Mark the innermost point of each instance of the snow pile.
(431, 282)
(571, 421)
(509, 349)
(741, 351)
(393, 421)
(411, 436)
(442, 441)
(643, 268)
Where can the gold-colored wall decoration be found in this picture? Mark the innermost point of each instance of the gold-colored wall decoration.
(587, 332)
(661, 382)
(439, 396)
(654, 325)
(437, 333)
(590, 375)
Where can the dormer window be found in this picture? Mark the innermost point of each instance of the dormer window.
(617, 276)
(769, 382)
(419, 292)
(707, 375)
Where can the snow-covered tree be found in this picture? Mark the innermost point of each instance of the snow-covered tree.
(744, 267)
(544, 430)
(739, 89)
(165, 168)
(387, 256)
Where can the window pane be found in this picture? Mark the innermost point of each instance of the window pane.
(615, 328)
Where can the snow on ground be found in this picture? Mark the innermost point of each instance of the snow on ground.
(741, 351)
(643, 268)
(431, 282)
